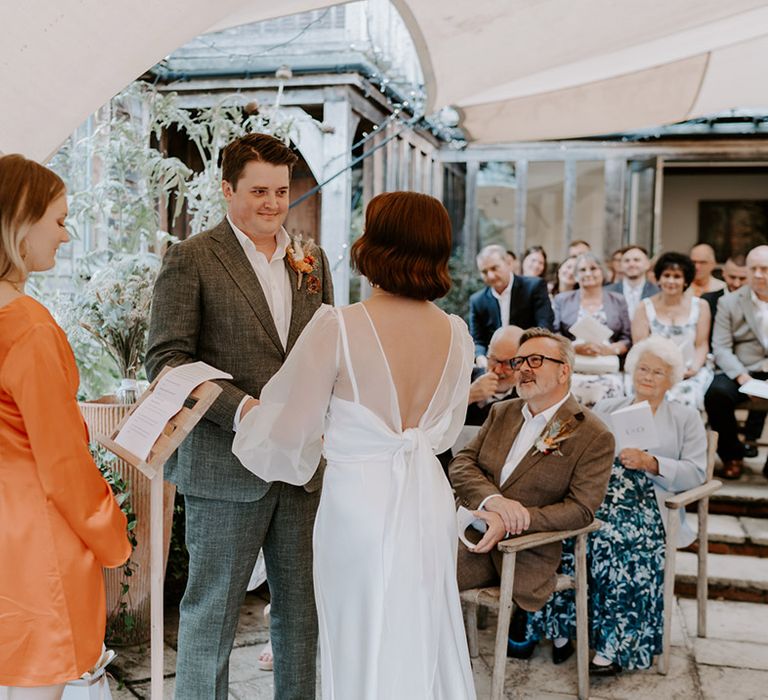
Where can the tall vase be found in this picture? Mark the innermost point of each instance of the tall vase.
(102, 416)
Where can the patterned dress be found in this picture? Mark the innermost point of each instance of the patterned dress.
(626, 577)
(591, 388)
(689, 392)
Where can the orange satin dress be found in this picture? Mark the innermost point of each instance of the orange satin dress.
(59, 523)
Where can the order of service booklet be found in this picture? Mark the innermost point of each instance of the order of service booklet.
(633, 426)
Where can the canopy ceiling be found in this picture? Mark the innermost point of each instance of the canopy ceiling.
(515, 69)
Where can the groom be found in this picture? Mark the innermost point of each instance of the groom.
(233, 298)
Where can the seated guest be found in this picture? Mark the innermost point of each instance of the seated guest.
(507, 300)
(576, 248)
(626, 556)
(634, 285)
(592, 383)
(498, 383)
(615, 273)
(703, 258)
(739, 344)
(684, 319)
(539, 463)
(735, 277)
(565, 281)
(535, 262)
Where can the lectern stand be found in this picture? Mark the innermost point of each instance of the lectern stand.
(174, 432)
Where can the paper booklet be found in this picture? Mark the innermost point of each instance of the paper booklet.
(634, 426)
(755, 387)
(149, 418)
(588, 330)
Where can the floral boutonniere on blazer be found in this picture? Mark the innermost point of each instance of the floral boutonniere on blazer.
(549, 442)
(303, 263)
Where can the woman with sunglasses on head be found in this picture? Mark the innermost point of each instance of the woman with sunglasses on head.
(59, 523)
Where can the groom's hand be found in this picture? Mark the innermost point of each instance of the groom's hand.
(514, 514)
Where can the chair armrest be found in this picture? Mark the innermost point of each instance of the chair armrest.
(680, 500)
(517, 544)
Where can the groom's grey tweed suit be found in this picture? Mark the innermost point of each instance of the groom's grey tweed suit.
(208, 305)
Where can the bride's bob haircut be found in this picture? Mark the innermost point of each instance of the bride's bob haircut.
(405, 245)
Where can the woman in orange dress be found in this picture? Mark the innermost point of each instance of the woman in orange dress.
(59, 523)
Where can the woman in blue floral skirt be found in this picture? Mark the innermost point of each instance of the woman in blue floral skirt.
(626, 556)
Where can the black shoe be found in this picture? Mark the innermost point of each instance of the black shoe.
(612, 669)
(750, 451)
(520, 650)
(563, 653)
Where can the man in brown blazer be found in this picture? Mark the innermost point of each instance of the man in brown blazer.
(237, 297)
(539, 463)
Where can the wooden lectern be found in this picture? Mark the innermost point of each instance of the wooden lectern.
(176, 429)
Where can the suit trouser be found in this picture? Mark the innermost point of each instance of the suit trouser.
(224, 539)
(720, 401)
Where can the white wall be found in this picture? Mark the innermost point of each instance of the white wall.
(682, 193)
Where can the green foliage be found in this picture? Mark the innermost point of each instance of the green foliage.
(465, 282)
(120, 622)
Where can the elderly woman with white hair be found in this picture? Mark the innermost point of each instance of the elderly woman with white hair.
(626, 556)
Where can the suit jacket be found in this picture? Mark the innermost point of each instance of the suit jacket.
(529, 306)
(649, 288)
(566, 306)
(208, 305)
(561, 491)
(712, 298)
(736, 339)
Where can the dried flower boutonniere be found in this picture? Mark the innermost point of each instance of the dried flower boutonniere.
(549, 442)
(304, 264)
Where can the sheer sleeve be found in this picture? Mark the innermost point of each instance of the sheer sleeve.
(281, 439)
(463, 373)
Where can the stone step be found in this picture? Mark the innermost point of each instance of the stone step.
(747, 496)
(731, 576)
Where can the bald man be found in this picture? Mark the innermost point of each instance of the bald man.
(498, 383)
(703, 257)
(740, 345)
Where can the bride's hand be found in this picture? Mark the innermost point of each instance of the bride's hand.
(247, 406)
(493, 535)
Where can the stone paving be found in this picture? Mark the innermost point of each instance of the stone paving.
(731, 663)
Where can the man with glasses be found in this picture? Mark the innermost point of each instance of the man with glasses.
(498, 382)
(539, 463)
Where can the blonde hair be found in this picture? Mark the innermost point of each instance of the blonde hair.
(26, 190)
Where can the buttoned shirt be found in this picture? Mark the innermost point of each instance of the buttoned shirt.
(632, 295)
(504, 300)
(275, 283)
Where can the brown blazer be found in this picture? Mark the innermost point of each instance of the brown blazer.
(561, 492)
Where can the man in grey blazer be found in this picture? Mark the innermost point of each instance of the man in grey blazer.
(740, 346)
(237, 297)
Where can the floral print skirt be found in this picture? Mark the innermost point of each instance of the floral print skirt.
(626, 577)
(591, 388)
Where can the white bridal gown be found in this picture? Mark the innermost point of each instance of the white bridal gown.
(385, 537)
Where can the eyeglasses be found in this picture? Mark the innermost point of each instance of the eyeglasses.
(534, 361)
(655, 373)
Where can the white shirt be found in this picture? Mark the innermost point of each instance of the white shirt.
(504, 300)
(632, 295)
(529, 432)
(275, 283)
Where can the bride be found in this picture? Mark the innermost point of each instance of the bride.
(379, 387)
